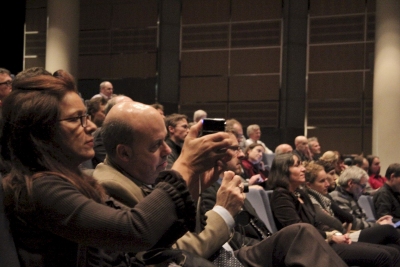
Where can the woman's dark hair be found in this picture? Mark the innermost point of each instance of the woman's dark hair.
(370, 159)
(280, 172)
(250, 147)
(31, 140)
(328, 165)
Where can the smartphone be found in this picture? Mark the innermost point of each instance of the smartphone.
(213, 125)
(397, 224)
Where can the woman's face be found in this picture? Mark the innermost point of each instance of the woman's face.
(255, 155)
(77, 140)
(331, 178)
(297, 173)
(375, 167)
(321, 183)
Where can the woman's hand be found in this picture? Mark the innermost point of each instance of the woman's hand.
(341, 239)
(256, 179)
(386, 219)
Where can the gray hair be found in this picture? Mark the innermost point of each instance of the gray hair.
(251, 128)
(351, 173)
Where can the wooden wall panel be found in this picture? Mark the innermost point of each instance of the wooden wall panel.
(141, 65)
(205, 11)
(204, 63)
(335, 7)
(345, 140)
(343, 85)
(254, 88)
(336, 57)
(205, 89)
(255, 61)
(256, 10)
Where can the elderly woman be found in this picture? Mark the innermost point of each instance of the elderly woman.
(328, 212)
(56, 212)
(290, 204)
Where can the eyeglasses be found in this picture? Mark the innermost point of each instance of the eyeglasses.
(361, 185)
(84, 119)
(8, 83)
(237, 149)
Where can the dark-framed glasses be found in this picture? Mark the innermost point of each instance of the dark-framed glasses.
(8, 83)
(361, 185)
(83, 118)
(237, 149)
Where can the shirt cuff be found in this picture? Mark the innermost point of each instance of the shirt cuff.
(230, 222)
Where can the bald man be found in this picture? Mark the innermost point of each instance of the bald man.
(283, 148)
(134, 139)
(302, 150)
(106, 90)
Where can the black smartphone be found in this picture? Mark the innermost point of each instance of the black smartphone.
(213, 125)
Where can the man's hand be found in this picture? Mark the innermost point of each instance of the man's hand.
(200, 154)
(230, 195)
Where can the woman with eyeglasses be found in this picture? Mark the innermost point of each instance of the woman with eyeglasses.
(290, 204)
(58, 214)
(328, 212)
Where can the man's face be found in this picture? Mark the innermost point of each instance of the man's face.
(149, 149)
(395, 183)
(237, 154)
(302, 145)
(5, 88)
(357, 188)
(255, 135)
(107, 89)
(99, 116)
(180, 131)
(239, 129)
(315, 147)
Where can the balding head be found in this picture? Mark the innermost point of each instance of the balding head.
(283, 148)
(115, 100)
(133, 135)
(301, 143)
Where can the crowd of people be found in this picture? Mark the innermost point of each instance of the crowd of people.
(110, 181)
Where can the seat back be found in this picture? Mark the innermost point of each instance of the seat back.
(259, 199)
(8, 252)
(266, 196)
(367, 205)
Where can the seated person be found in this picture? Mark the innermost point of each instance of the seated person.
(290, 204)
(387, 198)
(254, 134)
(177, 130)
(329, 213)
(95, 107)
(331, 176)
(253, 167)
(375, 179)
(351, 184)
(56, 211)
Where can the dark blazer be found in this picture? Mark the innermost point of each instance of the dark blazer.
(288, 210)
(387, 202)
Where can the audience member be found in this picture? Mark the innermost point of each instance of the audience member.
(375, 179)
(237, 126)
(291, 204)
(283, 148)
(159, 108)
(253, 167)
(253, 243)
(106, 90)
(329, 213)
(99, 150)
(136, 154)
(352, 183)
(177, 130)
(5, 84)
(199, 115)
(362, 163)
(331, 176)
(301, 148)
(55, 210)
(254, 135)
(314, 147)
(95, 108)
(387, 198)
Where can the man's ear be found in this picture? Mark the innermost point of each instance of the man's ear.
(123, 152)
(171, 129)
